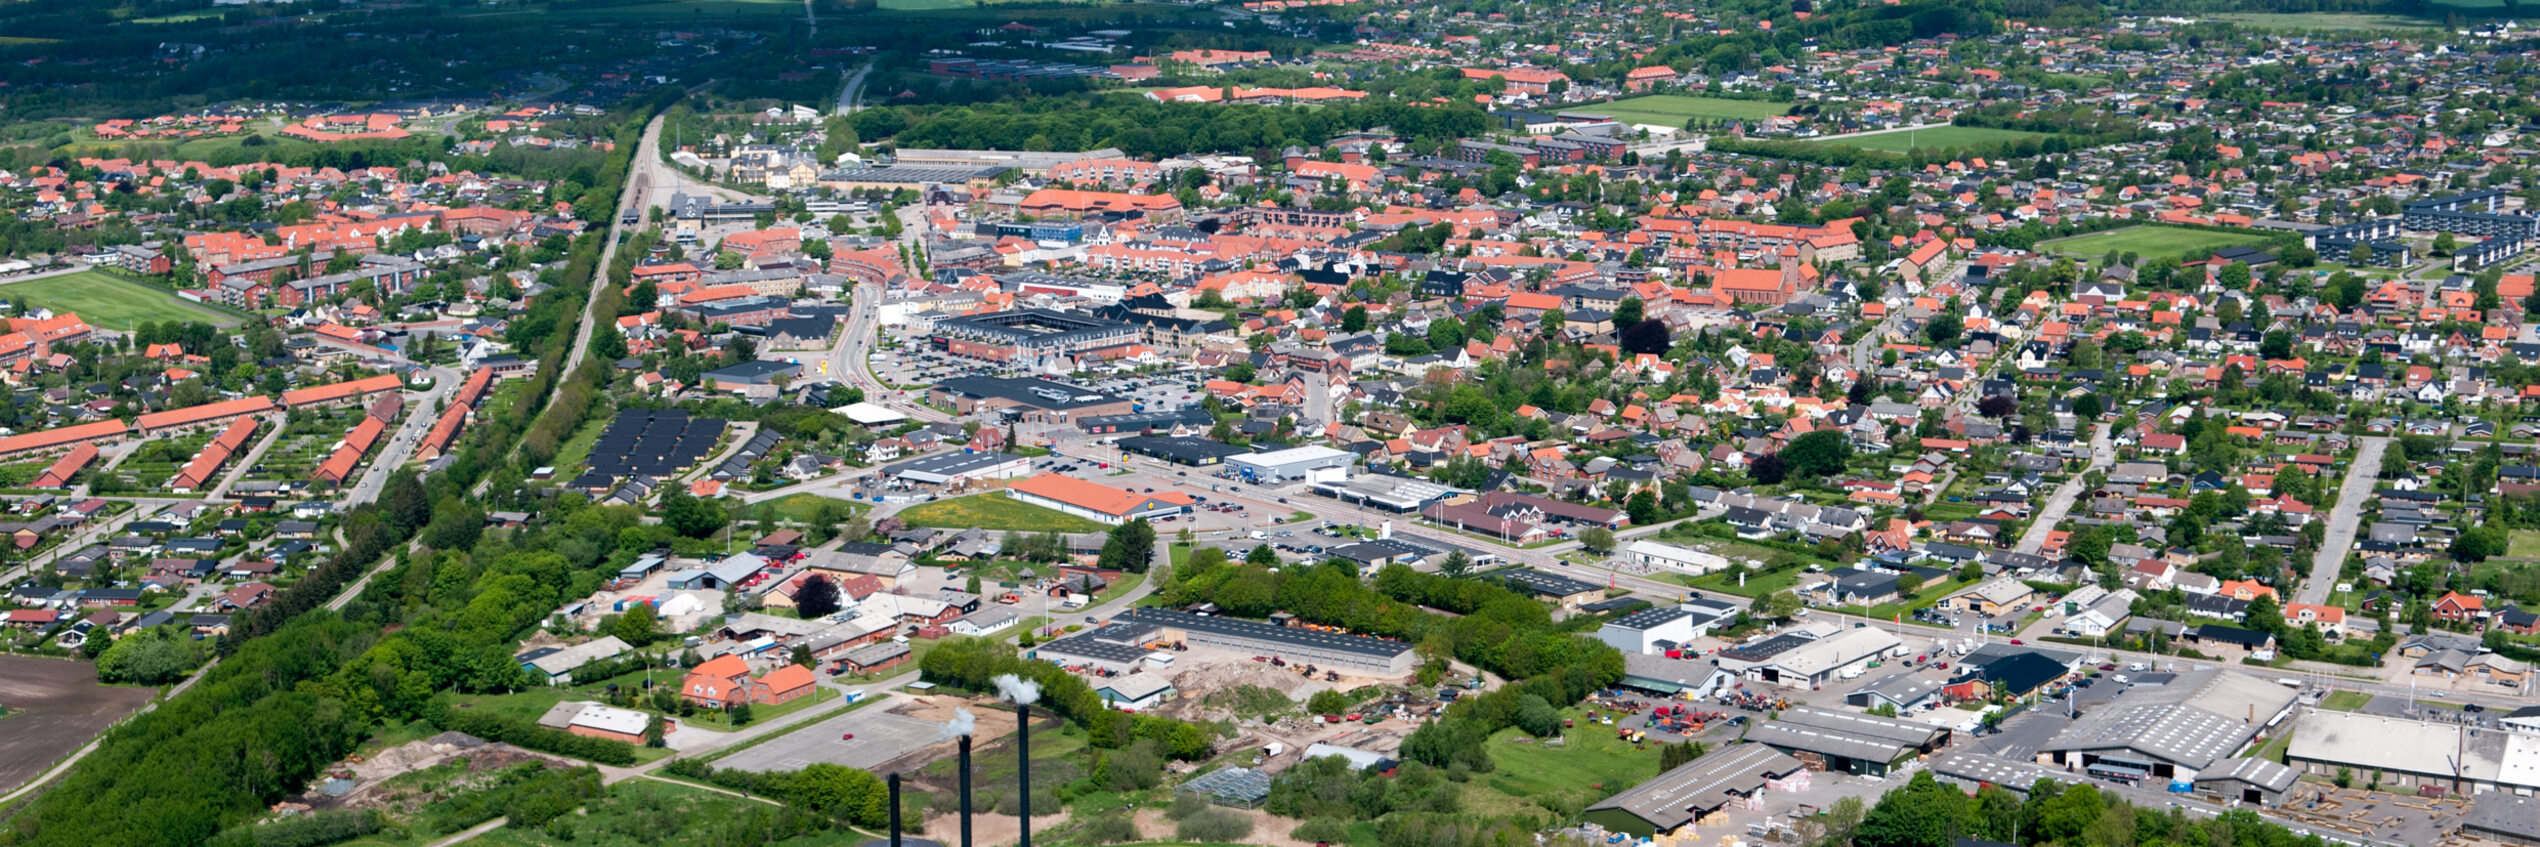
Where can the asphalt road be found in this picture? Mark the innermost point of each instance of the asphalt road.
(2103, 451)
(2342, 521)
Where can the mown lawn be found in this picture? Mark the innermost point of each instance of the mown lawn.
(104, 300)
(2150, 241)
(1673, 109)
(995, 511)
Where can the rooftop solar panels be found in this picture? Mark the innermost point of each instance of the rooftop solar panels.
(653, 443)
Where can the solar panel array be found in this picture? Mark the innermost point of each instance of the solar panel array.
(653, 443)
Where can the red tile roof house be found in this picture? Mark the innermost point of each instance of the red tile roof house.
(782, 685)
(2456, 606)
(719, 683)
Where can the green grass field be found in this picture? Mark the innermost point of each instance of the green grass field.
(995, 511)
(1673, 109)
(2149, 240)
(1931, 138)
(104, 300)
(800, 508)
(2344, 701)
(1591, 764)
(2523, 544)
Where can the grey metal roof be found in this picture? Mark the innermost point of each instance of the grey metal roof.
(1258, 631)
(2262, 773)
(2503, 813)
(1706, 783)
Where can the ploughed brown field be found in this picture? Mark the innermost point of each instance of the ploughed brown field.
(55, 706)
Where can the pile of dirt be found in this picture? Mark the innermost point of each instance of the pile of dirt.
(368, 773)
(987, 830)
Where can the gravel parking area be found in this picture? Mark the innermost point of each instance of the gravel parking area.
(880, 736)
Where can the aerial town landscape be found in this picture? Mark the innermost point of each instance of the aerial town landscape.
(1301, 423)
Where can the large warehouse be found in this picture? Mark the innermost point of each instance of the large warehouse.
(1188, 450)
(2170, 729)
(2408, 753)
(1847, 741)
(1293, 464)
(1096, 500)
(1355, 653)
(1700, 787)
(955, 468)
(1806, 662)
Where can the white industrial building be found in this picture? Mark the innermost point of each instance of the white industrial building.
(1308, 464)
(955, 468)
(1664, 628)
(1810, 662)
(1674, 558)
(1649, 630)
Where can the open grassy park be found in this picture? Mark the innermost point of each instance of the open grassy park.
(105, 300)
(1931, 138)
(995, 510)
(1674, 109)
(2150, 240)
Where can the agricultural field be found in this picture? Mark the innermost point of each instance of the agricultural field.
(110, 302)
(54, 706)
(1930, 138)
(2150, 240)
(995, 511)
(1673, 109)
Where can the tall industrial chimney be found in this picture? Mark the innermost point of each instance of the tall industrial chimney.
(965, 791)
(1023, 757)
(895, 808)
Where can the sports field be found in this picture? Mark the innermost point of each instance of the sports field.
(105, 301)
(1931, 138)
(2149, 241)
(1673, 109)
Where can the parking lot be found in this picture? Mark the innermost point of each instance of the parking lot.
(911, 364)
(1153, 391)
(880, 735)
